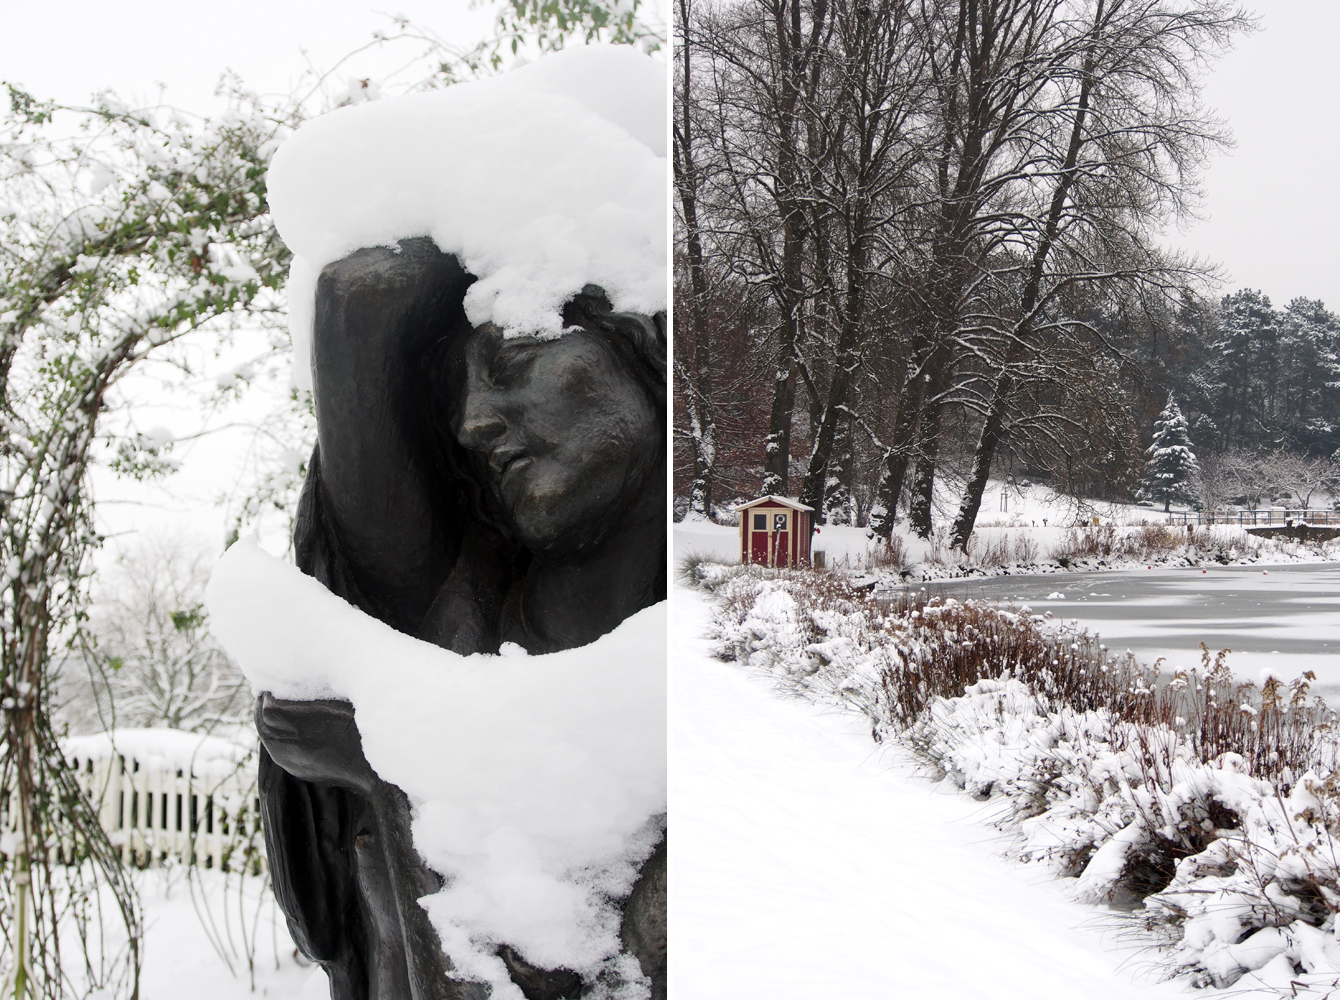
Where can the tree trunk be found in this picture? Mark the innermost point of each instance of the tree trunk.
(698, 388)
(777, 445)
(919, 507)
(816, 475)
(896, 458)
(993, 425)
(992, 430)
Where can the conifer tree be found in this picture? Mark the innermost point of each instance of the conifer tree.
(1173, 469)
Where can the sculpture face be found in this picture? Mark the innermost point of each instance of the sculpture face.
(568, 434)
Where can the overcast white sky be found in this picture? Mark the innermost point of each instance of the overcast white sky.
(1273, 204)
(68, 49)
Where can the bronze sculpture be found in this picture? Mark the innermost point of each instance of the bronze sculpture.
(470, 490)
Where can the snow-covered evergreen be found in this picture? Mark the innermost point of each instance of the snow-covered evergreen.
(1172, 467)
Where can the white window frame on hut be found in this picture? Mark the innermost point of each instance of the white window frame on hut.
(796, 522)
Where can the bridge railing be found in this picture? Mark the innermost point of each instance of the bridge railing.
(1265, 518)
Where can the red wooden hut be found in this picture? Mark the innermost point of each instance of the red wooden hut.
(775, 531)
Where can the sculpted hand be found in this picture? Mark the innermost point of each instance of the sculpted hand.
(315, 741)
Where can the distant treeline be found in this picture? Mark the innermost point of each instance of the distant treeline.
(1260, 388)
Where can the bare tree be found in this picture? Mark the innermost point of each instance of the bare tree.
(1297, 478)
(693, 336)
(945, 204)
(856, 201)
(149, 659)
(763, 67)
(1129, 134)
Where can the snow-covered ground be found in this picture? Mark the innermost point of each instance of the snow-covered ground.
(190, 928)
(810, 863)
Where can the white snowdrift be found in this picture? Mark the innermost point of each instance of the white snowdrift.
(539, 783)
(170, 749)
(542, 180)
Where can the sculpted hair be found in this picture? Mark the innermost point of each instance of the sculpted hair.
(638, 341)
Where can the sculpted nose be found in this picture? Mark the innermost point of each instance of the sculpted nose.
(481, 424)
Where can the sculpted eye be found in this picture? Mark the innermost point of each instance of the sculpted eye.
(510, 363)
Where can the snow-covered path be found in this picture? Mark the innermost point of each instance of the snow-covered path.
(808, 865)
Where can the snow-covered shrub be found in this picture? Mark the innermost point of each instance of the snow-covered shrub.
(1197, 802)
(1157, 543)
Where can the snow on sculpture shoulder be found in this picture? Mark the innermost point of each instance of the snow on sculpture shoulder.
(523, 770)
(541, 181)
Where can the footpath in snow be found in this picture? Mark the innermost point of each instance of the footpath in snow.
(810, 863)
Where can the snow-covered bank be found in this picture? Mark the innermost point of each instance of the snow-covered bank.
(1201, 804)
(805, 865)
(1023, 549)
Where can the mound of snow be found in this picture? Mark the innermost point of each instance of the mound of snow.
(169, 749)
(541, 180)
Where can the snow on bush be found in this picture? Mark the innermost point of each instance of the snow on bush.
(538, 782)
(1109, 546)
(1208, 808)
(541, 180)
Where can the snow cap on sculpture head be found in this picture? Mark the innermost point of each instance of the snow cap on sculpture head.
(541, 180)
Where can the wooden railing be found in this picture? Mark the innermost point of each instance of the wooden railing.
(1273, 517)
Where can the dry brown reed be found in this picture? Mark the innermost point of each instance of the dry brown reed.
(1003, 550)
(886, 555)
(1147, 541)
(946, 646)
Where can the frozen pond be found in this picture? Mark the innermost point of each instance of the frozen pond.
(1287, 617)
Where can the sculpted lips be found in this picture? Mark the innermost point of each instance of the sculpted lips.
(502, 460)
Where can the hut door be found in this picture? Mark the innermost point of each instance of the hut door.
(781, 541)
(758, 539)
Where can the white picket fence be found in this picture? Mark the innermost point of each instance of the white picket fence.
(165, 794)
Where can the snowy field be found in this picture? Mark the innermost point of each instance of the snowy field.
(195, 947)
(809, 863)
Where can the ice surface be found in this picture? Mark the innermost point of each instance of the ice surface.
(539, 782)
(542, 180)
